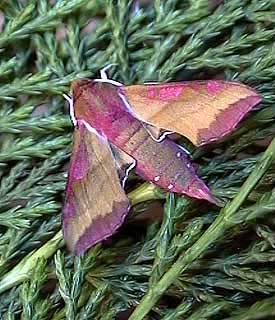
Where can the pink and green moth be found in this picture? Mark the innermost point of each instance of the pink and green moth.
(118, 128)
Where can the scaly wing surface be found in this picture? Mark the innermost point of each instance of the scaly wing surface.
(95, 203)
(202, 111)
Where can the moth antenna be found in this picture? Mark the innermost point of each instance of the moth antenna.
(103, 73)
(71, 104)
(104, 76)
(113, 82)
(151, 82)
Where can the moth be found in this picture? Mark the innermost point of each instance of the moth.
(118, 128)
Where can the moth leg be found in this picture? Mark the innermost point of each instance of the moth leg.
(159, 135)
(127, 172)
(71, 105)
(156, 134)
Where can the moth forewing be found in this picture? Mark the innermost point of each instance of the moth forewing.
(95, 204)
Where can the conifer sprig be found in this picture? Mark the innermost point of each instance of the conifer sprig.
(192, 260)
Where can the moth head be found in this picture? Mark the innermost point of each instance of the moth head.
(80, 85)
(82, 93)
